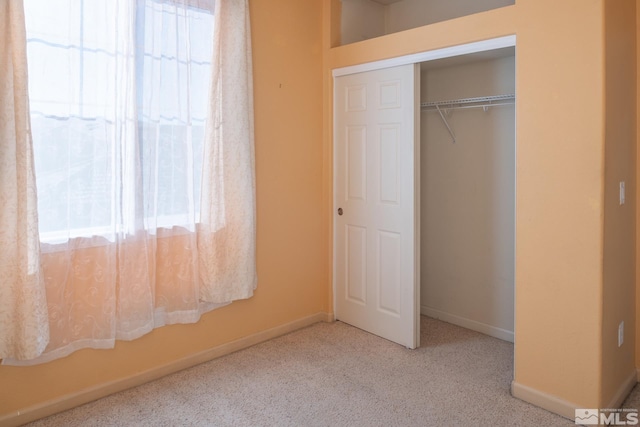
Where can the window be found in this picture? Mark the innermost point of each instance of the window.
(146, 197)
(118, 103)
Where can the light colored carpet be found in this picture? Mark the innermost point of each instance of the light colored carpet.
(332, 374)
(633, 400)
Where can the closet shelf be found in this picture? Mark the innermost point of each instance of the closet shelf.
(483, 101)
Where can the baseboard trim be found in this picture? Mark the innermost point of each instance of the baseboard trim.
(546, 401)
(90, 394)
(493, 331)
(624, 390)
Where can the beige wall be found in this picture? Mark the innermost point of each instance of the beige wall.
(292, 239)
(498, 22)
(561, 311)
(618, 364)
(361, 20)
(468, 199)
(366, 19)
(408, 14)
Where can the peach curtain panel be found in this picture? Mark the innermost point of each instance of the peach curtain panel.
(145, 171)
(24, 330)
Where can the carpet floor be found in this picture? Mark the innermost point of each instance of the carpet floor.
(332, 374)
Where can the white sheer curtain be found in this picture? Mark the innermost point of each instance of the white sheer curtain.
(24, 329)
(227, 238)
(145, 175)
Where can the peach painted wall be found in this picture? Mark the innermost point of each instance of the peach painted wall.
(560, 193)
(618, 363)
(637, 191)
(292, 239)
(559, 199)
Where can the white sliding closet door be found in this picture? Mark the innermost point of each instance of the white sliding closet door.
(376, 229)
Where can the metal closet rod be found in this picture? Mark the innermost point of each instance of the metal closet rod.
(483, 101)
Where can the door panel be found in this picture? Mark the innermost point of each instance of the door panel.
(376, 248)
(389, 167)
(389, 254)
(356, 162)
(356, 267)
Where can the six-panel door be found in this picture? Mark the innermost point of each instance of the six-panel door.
(375, 198)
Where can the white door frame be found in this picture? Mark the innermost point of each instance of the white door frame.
(447, 52)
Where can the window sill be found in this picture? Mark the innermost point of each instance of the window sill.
(104, 236)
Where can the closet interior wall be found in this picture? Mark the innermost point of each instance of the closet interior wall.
(468, 198)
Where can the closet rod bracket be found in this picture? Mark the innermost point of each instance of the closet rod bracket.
(485, 102)
(444, 120)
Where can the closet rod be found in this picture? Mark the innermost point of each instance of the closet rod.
(483, 101)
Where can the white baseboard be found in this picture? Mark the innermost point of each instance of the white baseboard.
(546, 401)
(624, 390)
(563, 407)
(493, 331)
(81, 397)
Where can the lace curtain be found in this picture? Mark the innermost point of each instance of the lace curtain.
(142, 123)
(24, 327)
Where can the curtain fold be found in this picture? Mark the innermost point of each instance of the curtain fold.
(226, 237)
(144, 155)
(24, 331)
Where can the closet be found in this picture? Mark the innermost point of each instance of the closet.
(459, 181)
(467, 191)
(428, 213)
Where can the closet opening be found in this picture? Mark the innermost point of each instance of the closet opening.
(424, 191)
(467, 191)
